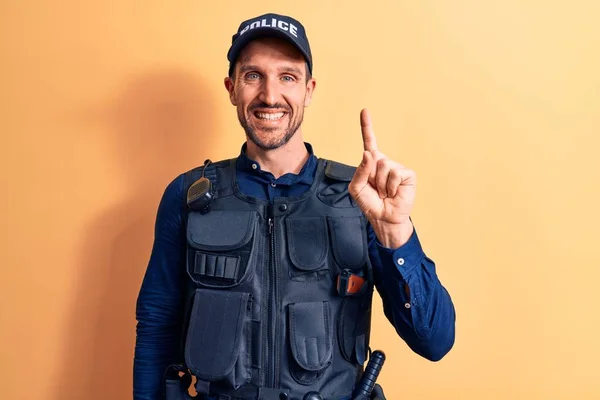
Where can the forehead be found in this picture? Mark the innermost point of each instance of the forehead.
(270, 50)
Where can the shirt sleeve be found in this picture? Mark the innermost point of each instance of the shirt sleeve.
(424, 318)
(158, 309)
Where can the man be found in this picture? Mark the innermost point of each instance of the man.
(263, 267)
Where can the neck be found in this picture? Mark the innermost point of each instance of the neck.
(289, 158)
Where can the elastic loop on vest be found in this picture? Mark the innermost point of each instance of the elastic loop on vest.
(177, 381)
(202, 387)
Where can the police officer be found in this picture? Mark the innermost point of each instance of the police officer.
(263, 268)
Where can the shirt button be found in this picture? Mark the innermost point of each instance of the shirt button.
(254, 166)
(400, 261)
(273, 184)
(406, 305)
(282, 207)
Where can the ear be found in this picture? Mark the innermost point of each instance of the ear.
(310, 87)
(230, 86)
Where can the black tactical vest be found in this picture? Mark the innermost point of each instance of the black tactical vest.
(273, 303)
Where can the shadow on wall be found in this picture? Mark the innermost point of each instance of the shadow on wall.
(161, 125)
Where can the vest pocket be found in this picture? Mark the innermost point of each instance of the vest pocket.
(310, 337)
(353, 328)
(218, 342)
(307, 245)
(221, 247)
(349, 241)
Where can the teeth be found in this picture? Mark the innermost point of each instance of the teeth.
(270, 116)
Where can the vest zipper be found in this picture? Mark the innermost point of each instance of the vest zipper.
(272, 312)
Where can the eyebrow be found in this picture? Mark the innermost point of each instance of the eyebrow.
(252, 67)
(248, 67)
(293, 70)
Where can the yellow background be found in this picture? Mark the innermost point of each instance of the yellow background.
(495, 105)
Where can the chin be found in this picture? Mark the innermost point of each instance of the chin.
(269, 142)
(272, 145)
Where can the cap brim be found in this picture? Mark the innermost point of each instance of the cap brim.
(243, 40)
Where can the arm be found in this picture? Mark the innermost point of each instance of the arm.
(159, 301)
(414, 300)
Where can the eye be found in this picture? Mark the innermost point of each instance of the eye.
(288, 78)
(252, 76)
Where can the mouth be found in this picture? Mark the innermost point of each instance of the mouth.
(269, 117)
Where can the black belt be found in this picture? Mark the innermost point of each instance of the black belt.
(178, 380)
(247, 393)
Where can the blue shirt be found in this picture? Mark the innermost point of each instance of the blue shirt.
(424, 320)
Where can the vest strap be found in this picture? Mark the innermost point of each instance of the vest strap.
(339, 171)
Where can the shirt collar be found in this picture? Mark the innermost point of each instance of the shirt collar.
(306, 174)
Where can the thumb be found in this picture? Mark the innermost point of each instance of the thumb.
(363, 171)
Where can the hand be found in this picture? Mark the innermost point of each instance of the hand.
(384, 190)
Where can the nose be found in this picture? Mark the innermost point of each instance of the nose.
(269, 91)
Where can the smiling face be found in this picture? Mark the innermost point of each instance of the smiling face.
(270, 89)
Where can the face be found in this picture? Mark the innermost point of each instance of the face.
(270, 90)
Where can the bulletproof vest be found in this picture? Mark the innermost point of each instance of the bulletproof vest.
(278, 293)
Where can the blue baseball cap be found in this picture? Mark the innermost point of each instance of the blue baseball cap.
(270, 25)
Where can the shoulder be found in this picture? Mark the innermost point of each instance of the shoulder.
(178, 186)
(175, 193)
(336, 178)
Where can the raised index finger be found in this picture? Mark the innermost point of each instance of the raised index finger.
(369, 141)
